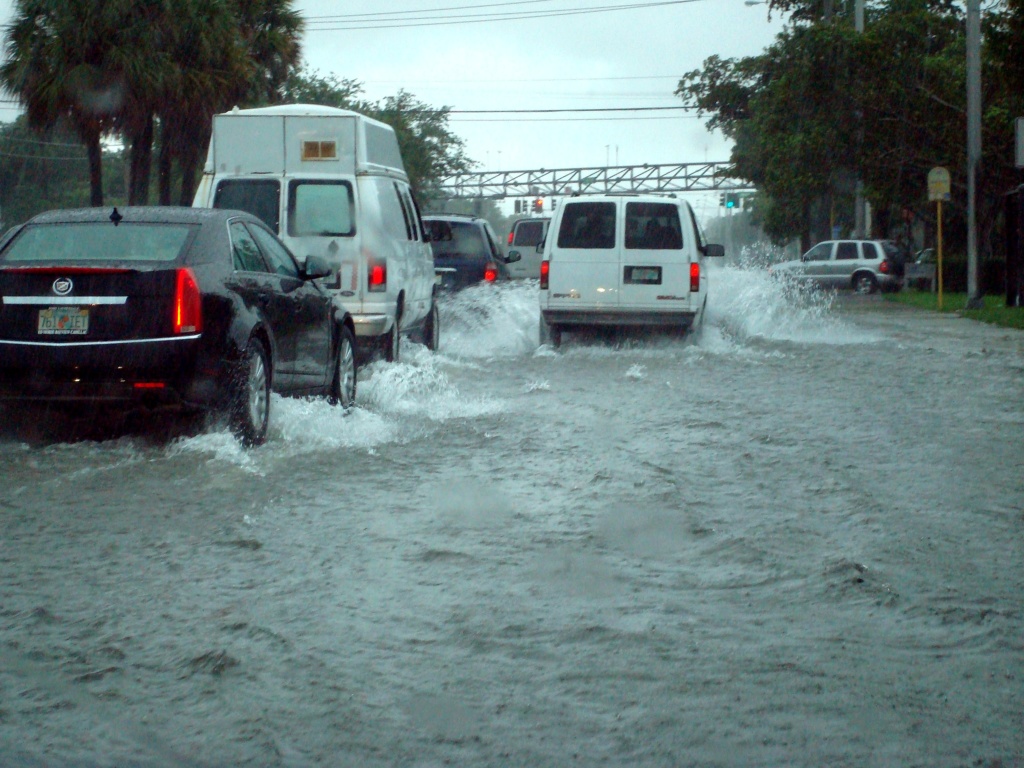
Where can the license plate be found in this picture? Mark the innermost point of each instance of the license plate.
(63, 321)
(643, 275)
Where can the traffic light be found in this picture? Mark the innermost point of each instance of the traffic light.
(519, 206)
(730, 199)
(721, 199)
(538, 205)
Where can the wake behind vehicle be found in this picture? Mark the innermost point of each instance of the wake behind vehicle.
(331, 183)
(154, 308)
(864, 266)
(623, 261)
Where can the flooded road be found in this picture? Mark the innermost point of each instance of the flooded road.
(796, 539)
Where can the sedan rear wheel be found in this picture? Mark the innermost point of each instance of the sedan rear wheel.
(250, 398)
(343, 386)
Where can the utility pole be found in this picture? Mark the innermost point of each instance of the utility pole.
(859, 212)
(973, 148)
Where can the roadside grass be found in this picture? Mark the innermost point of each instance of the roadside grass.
(995, 312)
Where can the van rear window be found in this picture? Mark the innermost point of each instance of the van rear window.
(653, 226)
(320, 208)
(260, 197)
(587, 225)
(529, 233)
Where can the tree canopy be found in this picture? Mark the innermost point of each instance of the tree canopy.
(430, 151)
(825, 106)
(123, 66)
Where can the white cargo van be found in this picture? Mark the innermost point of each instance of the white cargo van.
(331, 183)
(623, 260)
(525, 238)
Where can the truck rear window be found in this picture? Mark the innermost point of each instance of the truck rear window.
(321, 209)
(260, 197)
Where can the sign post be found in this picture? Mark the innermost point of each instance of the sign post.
(938, 190)
(1019, 131)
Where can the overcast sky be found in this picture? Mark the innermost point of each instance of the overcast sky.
(556, 55)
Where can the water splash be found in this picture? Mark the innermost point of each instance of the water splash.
(748, 303)
(491, 321)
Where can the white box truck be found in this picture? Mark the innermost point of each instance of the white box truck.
(331, 183)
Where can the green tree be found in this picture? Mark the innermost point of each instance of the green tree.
(40, 171)
(120, 66)
(69, 59)
(430, 151)
(224, 53)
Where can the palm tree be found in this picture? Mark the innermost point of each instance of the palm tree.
(225, 53)
(59, 63)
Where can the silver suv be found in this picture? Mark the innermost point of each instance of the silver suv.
(865, 266)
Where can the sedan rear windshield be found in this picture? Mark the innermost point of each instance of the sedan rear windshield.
(98, 241)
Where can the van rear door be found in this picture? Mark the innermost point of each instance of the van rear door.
(585, 266)
(655, 260)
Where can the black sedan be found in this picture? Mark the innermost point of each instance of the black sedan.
(466, 251)
(205, 310)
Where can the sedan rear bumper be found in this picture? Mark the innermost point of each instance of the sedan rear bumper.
(166, 371)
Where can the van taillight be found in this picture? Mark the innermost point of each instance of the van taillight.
(188, 314)
(490, 272)
(510, 236)
(694, 277)
(545, 269)
(377, 278)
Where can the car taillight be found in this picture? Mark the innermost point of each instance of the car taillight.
(694, 277)
(377, 278)
(545, 270)
(490, 272)
(885, 267)
(188, 314)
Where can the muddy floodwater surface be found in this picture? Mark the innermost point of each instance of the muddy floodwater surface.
(795, 539)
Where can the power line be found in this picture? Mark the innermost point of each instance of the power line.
(545, 111)
(377, 14)
(530, 80)
(432, 21)
(40, 157)
(566, 119)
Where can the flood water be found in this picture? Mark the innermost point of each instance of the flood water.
(795, 539)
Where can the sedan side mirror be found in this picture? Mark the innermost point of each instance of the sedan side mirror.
(315, 268)
(714, 250)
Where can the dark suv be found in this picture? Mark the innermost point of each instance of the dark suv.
(466, 250)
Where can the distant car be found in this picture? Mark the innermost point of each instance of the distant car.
(466, 251)
(864, 266)
(154, 307)
(526, 237)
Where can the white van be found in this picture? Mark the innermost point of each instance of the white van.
(331, 183)
(623, 260)
(525, 238)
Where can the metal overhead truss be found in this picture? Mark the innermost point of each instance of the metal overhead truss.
(681, 177)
